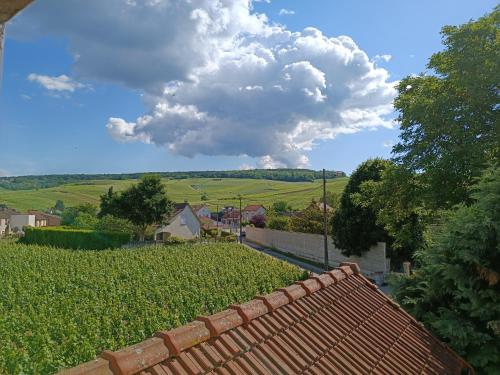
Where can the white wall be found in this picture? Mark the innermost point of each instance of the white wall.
(19, 221)
(311, 246)
(203, 212)
(3, 226)
(185, 225)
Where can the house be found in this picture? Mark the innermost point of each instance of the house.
(18, 221)
(4, 224)
(251, 211)
(182, 223)
(334, 323)
(51, 220)
(207, 223)
(231, 219)
(201, 210)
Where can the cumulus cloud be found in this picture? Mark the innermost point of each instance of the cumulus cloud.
(385, 57)
(388, 144)
(220, 79)
(59, 83)
(286, 12)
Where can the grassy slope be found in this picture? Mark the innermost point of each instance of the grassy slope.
(219, 191)
(67, 306)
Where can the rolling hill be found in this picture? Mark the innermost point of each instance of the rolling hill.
(219, 191)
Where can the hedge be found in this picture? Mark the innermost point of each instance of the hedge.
(72, 238)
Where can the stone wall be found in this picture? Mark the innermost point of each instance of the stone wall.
(373, 263)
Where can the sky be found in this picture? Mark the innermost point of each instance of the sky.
(117, 86)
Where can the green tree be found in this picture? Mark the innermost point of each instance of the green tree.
(59, 206)
(355, 227)
(85, 220)
(309, 220)
(278, 222)
(143, 204)
(108, 204)
(114, 224)
(70, 213)
(281, 206)
(449, 121)
(399, 209)
(456, 290)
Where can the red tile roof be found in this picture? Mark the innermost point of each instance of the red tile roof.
(335, 323)
(253, 207)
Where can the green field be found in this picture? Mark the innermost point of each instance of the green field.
(219, 191)
(59, 307)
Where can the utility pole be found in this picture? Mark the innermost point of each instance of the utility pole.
(217, 223)
(241, 237)
(325, 222)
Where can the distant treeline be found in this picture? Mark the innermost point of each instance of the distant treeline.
(46, 181)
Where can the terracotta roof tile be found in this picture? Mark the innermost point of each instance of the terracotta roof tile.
(337, 322)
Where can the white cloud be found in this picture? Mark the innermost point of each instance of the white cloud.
(385, 57)
(286, 12)
(246, 167)
(388, 144)
(218, 78)
(59, 83)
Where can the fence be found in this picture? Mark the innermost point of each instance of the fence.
(373, 263)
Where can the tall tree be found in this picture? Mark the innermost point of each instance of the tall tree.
(355, 228)
(450, 126)
(142, 204)
(399, 209)
(456, 290)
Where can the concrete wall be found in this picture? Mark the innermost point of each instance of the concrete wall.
(310, 246)
(185, 225)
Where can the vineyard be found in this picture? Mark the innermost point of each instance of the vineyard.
(61, 307)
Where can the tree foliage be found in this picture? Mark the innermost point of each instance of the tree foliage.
(278, 222)
(399, 209)
(70, 213)
(258, 221)
(449, 121)
(280, 207)
(355, 227)
(142, 204)
(456, 289)
(309, 220)
(281, 174)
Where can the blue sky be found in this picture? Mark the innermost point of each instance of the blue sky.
(87, 122)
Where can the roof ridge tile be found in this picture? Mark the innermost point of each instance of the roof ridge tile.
(184, 337)
(274, 300)
(221, 322)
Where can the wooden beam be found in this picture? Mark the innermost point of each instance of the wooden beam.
(9, 8)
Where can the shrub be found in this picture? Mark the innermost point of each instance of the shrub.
(259, 221)
(278, 223)
(74, 238)
(229, 238)
(172, 240)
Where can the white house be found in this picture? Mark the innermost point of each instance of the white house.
(4, 224)
(251, 211)
(17, 222)
(183, 223)
(201, 210)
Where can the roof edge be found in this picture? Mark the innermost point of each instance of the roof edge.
(167, 344)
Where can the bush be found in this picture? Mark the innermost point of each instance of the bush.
(172, 240)
(229, 238)
(278, 223)
(74, 238)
